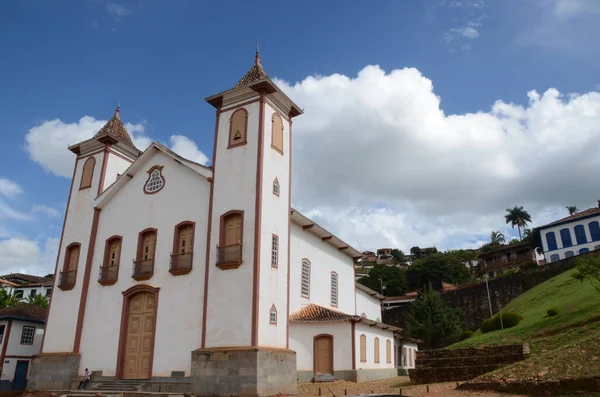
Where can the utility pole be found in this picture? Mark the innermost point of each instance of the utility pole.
(380, 285)
(488, 292)
(500, 314)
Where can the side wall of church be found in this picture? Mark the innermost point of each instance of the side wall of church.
(324, 259)
(275, 221)
(302, 342)
(179, 315)
(368, 305)
(370, 334)
(229, 303)
(62, 319)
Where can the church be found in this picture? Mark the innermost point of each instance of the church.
(199, 279)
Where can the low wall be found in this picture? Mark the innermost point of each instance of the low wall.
(535, 388)
(434, 366)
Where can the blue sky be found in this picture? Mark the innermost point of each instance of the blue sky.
(63, 60)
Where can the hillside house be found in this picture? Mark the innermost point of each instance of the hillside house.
(504, 258)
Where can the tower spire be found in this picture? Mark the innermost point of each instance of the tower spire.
(257, 56)
(118, 110)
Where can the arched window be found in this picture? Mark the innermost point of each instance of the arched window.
(334, 289)
(554, 258)
(376, 349)
(569, 254)
(551, 241)
(183, 248)
(412, 357)
(238, 126)
(69, 273)
(276, 187)
(229, 252)
(363, 348)
(109, 271)
(273, 315)
(565, 236)
(146, 251)
(87, 173)
(594, 230)
(305, 279)
(388, 351)
(584, 251)
(405, 357)
(277, 133)
(580, 234)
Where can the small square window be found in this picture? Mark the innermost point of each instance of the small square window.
(27, 335)
(275, 251)
(276, 187)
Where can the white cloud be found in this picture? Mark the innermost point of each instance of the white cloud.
(118, 10)
(47, 143)
(378, 160)
(466, 31)
(44, 209)
(22, 255)
(9, 188)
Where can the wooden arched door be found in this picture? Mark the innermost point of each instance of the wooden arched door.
(139, 336)
(323, 355)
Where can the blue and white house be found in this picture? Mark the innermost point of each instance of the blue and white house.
(574, 235)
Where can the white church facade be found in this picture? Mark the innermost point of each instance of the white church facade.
(172, 271)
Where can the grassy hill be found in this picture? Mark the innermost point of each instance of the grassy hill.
(561, 346)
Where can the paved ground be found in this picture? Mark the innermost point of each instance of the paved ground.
(388, 386)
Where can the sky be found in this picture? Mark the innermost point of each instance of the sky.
(424, 120)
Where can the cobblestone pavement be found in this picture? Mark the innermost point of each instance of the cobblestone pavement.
(388, 386)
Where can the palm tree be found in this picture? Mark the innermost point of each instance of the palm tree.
(572, 209)
(7, 299)
(497, 237)
(518, 217)
(40, 300)
(527, 233)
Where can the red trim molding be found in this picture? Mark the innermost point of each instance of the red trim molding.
(103, 173)
(289, 182)
(86, 280)
(91, 160)
(127, 295)
(353, 330)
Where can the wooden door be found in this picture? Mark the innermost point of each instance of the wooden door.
(148, 245)
(139, 337)
(185, 239)
(323, 354)
(233, 230)
(73, 258)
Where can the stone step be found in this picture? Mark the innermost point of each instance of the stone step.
(323, 378)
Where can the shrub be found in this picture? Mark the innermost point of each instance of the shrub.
(465, 334)
(509, 320)
(529, 265)
(552, 312)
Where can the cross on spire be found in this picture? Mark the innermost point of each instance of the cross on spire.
(257, 56)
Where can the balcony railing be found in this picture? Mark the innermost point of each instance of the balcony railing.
(67, 280)
(143, 269)
(181, 263)
(108, 274)
(229, 256)
(492, 264)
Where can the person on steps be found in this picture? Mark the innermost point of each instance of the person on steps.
(86, 378)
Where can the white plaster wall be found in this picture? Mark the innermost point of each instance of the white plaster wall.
(180, 299)
(229, 306)
(575, 247)
(274, 220)
(115, 165)
(324, 259)
(371, 333)
(62, 318)
(302, 342)
(15, 348)
(367, 304)
(403, 360)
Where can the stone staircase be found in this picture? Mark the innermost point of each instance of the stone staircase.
(116, 385)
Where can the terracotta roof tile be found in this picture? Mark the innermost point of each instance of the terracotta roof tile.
(24, 279)
(115, 129)
(253, 75)
(24, 311)
(589, 211)
(316, 314)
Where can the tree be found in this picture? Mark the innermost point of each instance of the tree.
(40, 300)
(515, 241)
(392, 278)
(518, 217)
(588, 268)
(398, 255)
(497, 237)
(598, 203)
(7, 299)
(415, 251)
(572, 209)
(435, 269)
(431, 319)
(527, 234)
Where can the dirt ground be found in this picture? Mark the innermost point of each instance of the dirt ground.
(387, 386)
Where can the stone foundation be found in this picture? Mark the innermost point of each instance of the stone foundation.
(355, 375)
(248, 372)
(53, 371)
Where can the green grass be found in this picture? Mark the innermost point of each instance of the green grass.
(575, 301)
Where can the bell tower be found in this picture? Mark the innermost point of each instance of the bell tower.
(246, 287)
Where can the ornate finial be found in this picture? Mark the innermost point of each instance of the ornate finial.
(118, 110)
(257, 56)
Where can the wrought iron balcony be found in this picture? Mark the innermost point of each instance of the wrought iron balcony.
(229, 256)
(181, 263)
(143, 269)
(108, 274)
(67, 280)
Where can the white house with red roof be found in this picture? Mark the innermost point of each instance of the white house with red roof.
(170, 272)
(570, 236)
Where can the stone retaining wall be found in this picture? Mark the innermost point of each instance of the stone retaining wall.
(538, 388)
(434, 366)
